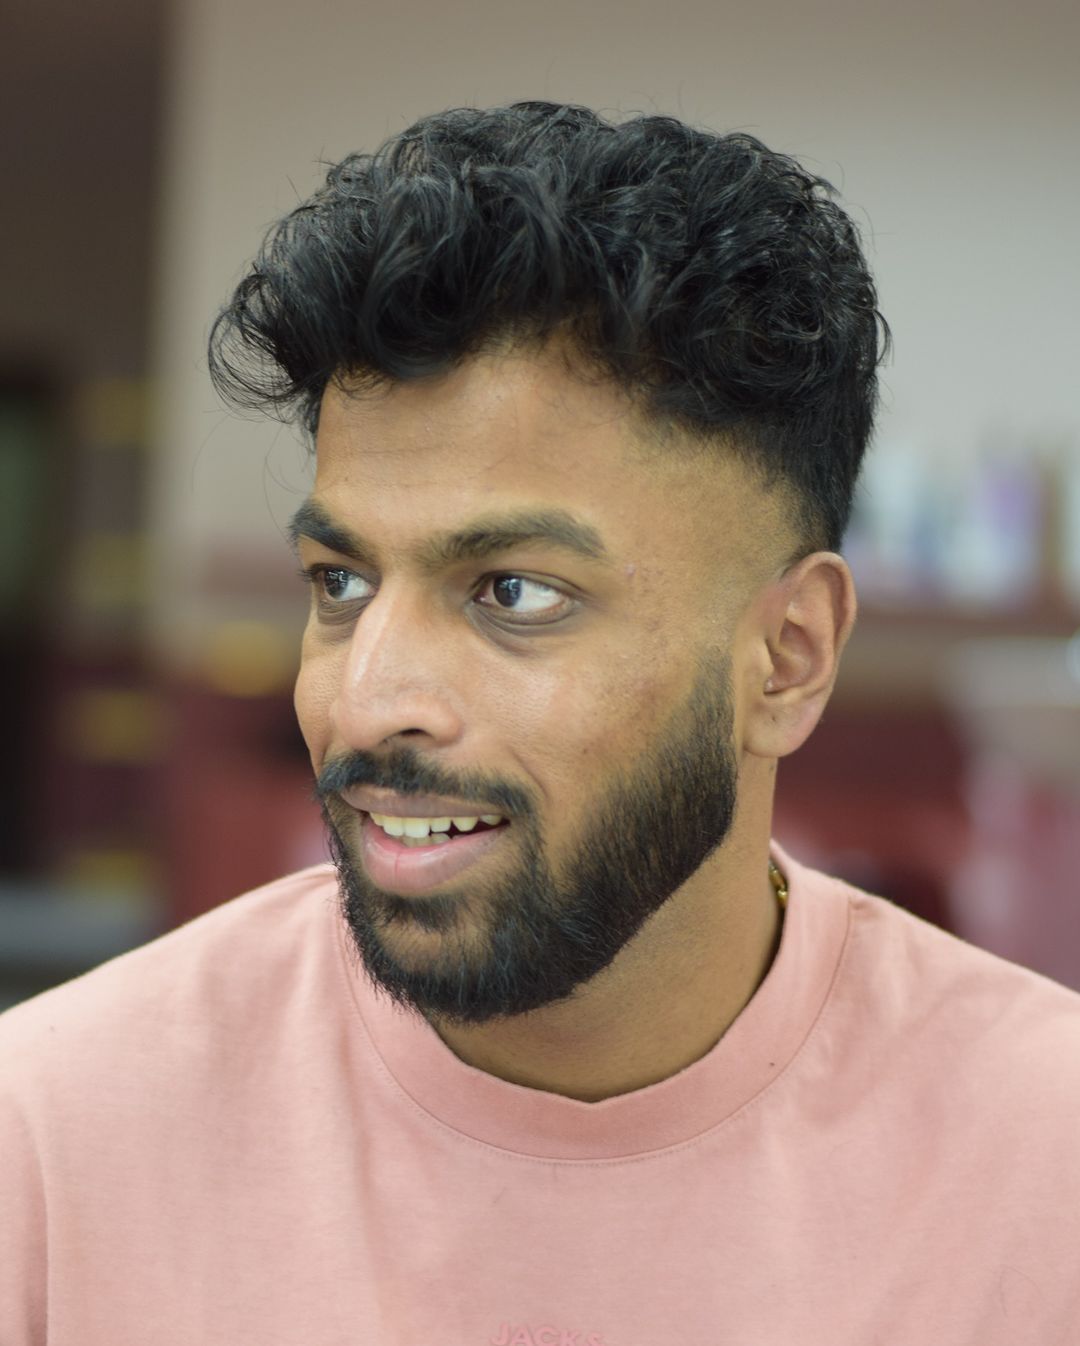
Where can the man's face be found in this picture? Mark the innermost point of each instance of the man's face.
(522, 613)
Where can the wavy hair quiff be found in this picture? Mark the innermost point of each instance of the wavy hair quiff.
(714, 279)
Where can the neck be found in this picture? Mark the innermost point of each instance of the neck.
(665, 1001)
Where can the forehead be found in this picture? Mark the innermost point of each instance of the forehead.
(527, 410)
(522, 431)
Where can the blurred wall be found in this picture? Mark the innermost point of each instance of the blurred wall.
(78, 136)
(949, 129)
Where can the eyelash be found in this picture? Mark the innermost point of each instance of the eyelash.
(313, 575)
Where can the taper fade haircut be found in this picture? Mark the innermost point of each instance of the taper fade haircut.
(715, 280)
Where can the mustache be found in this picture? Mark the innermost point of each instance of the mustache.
(405, 772)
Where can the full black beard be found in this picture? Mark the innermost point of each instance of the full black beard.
(534, 937)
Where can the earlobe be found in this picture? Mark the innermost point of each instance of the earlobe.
(805, 620)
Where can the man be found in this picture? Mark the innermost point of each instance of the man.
(564, 1053)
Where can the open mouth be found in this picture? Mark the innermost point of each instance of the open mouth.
(412, 856)
(427, 832)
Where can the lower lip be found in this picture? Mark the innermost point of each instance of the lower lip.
(406, 870)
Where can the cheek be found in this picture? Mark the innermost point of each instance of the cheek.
(571, 729)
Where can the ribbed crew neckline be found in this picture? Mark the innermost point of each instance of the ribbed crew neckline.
(753, 1053)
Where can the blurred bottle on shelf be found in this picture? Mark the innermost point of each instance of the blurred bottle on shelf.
(990, 529)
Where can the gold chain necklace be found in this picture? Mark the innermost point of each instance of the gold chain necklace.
(779, 884)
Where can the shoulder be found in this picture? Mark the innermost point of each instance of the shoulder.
(947, 1009)
(202, 972)
(132, 1070)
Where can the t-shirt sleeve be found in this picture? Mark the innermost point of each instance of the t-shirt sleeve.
(22, 1225)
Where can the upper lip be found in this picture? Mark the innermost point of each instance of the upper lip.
(386, 803)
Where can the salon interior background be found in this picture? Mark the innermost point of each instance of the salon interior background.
(149, 613)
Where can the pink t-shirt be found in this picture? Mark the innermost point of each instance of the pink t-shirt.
(227, 1139)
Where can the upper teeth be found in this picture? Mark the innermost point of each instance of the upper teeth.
(422, 827)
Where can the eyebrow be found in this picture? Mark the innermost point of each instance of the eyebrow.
(483, 537)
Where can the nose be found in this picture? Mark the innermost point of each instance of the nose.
(394, 678)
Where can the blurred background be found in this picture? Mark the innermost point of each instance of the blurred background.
(149, 610)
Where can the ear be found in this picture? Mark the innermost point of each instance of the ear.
(801, 625)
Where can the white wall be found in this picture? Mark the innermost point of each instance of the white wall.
(950, 128)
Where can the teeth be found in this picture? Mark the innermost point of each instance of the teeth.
(421, 831)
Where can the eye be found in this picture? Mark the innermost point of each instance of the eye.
(334, 586)
(523, 600)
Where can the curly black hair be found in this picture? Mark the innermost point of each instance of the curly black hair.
(714, 279)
